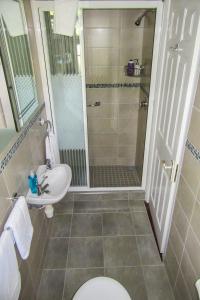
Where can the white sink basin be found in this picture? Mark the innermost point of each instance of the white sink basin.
(58, 178)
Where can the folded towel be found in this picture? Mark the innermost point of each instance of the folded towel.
(52, 152)
(65, 16)
(19, 222)
(10, 278)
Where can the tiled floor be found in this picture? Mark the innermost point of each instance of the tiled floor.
(113, 176)
(103, 235)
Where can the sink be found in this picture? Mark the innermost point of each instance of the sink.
(58, 178)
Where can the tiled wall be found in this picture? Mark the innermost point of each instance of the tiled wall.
(14, 179)
(111, 39)
(112, 134)
(183, 253)
(147, 53)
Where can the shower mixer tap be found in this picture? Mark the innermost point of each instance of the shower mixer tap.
(144, 104)
(97, 103)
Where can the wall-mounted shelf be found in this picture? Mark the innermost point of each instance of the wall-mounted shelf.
(140, 71)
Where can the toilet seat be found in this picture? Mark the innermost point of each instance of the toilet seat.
(102, 288)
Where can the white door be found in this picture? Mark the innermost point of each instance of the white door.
(175, 101)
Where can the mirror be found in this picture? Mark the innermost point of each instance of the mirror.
(18, 97)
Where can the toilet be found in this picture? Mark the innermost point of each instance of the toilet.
(102, 288)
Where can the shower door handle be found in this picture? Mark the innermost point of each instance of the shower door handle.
(97, 103)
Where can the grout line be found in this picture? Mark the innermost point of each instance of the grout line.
(184, 244)
(140, 259)
(103, 245)
(103, 236)
(68, 249)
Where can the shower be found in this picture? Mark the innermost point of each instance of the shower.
(139, 19)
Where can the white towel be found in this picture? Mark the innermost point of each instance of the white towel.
(65, 16)
(10, 278)
(52, 152)
(19, 222)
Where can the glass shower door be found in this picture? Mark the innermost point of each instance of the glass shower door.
(63, 63)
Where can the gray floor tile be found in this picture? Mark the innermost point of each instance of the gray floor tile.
(86, 257)
(86, 225)
(142, 223)
(56, 253)
(131, 278)
(148, 250)
(87, 206)
(119, 223)
(136, 195)
(51, 285)
(114, 205)
(157, 283)
(113, 176)
(114, 196)
(120, 251)
(137, 205)
(61, 225)
(181, 290)
(75, 278)
(85, 197)
(65, 205)
(85, 252)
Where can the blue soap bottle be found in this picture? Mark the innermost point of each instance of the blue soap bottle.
(33, 182)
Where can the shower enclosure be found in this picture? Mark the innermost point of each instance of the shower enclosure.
(117, 104)
(100, 113)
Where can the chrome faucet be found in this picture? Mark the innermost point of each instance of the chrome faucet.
(48, 164)
(43, 188)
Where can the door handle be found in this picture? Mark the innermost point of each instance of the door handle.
(173, 167)
(165, 166)
(97, 103)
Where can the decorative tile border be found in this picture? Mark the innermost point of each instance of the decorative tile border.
(195, 152)
(19, 140)
(112, 85)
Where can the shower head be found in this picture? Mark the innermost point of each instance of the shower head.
(139, 19)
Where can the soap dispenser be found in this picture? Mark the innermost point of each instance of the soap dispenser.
(33, 182)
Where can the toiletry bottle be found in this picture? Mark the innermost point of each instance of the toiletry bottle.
(35, 182)
(137, 68)
(32, 182)
(130, 68)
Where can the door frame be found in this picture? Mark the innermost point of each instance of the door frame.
(47, 89)
(193, 81)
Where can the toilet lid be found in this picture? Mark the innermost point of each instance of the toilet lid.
(102, 288)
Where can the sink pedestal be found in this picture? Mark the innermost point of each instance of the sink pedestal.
(49, 210)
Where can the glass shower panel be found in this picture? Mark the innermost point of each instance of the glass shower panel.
(66, 82)
(147, 54)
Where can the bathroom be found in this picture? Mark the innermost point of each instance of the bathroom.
(115, 213)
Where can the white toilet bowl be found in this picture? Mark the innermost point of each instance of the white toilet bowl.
(102, 288)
